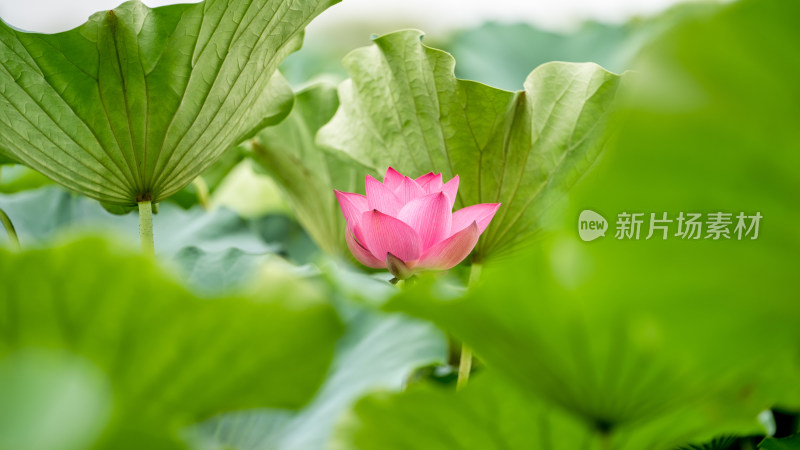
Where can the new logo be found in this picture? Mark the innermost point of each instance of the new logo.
(591, 225)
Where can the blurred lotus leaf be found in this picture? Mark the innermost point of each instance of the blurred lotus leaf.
(171, 358)
(51, 400)
(492, 414)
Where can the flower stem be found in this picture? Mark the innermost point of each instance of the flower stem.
(12, 233)
(465, 363)
(464, 367)
(474, 275)
(146, 227)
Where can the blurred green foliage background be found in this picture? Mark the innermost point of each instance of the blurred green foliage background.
(253, 330)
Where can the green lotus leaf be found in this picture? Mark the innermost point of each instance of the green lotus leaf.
(488, 415)
(307, 174)
(562, 325)
(170, 357)
(403, 107)
(492, 414)
(136, 102)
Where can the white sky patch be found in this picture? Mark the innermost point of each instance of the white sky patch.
(433, 16)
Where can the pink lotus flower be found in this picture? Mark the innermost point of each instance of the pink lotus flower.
(408, 225)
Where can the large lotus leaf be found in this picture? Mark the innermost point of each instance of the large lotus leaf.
(624, 330)
(493, 414)
(567, 325)
(137, 102)
(403, 107)
(306, 173)
(171, 358)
